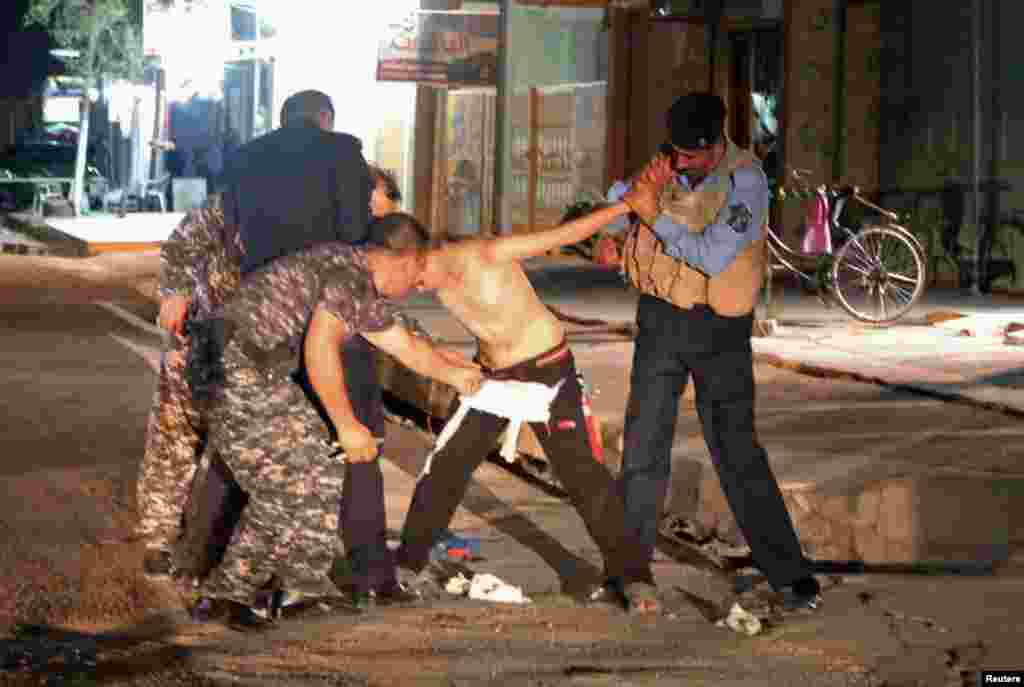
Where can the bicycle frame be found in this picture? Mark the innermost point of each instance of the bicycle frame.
(858, 270)
(836, 201)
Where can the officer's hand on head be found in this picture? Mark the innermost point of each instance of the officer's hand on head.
(172, 314)
(357, 442)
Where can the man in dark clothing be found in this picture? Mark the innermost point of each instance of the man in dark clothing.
(299, 185)
(296, 187)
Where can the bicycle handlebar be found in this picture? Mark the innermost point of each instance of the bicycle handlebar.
(867, 203)
(851, 191)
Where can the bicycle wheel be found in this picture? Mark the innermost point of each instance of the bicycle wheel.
(879, 274)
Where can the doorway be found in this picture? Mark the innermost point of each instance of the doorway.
(657, 58)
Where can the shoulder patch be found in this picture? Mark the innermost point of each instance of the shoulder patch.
(739, 217)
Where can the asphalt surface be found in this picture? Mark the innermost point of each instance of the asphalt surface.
(77, 384)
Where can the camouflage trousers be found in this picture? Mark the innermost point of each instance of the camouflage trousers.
(173, 439)
(273, 441)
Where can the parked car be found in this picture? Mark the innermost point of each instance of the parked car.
(42, 160)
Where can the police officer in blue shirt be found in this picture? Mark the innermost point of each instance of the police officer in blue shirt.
(697, 254)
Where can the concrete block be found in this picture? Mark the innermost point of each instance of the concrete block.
(869, 546)
(897, 512)
(965, 519)
(869, 504)
(909, 519)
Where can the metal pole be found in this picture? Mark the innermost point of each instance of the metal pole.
(976, 139)
(499, 220)
(256, 86)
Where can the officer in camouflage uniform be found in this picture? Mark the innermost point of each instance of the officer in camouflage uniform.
(266, 431)
(199, 266)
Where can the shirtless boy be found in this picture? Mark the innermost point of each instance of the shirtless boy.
(484, 286)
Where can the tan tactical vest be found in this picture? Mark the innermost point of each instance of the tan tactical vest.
(731, 293)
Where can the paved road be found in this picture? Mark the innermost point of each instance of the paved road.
(77, 383)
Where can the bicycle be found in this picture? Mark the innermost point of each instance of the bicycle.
(877, 273)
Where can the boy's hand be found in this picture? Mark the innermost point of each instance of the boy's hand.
(643, 200)
(357, 442)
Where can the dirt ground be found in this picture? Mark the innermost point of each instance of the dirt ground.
(71, 587)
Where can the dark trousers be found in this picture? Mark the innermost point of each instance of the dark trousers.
(216, 500)
(671, 345)
(566, 442)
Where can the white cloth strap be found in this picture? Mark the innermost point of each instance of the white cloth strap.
(518, 401)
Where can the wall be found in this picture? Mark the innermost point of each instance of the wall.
(927, 132)
(808, 111)
(861, 120)
(669, 58)
(832, 97)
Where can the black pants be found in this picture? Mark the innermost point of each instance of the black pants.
(671, 345)
(567, 444)
(216, 501)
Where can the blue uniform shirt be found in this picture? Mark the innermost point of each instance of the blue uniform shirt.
(738, 223)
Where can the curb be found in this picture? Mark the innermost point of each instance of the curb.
(22, 248)
(824, 372)
(14, 243)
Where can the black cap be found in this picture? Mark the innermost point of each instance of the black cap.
(695, 120)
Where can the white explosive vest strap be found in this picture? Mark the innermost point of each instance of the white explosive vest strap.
(518, 401)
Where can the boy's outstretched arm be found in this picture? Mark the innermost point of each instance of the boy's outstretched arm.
(521, 246)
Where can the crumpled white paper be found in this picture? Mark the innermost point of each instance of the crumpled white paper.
(741, 621)
(487, 587)
(458, 585)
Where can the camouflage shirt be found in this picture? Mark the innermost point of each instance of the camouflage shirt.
(201, 260)
(273, 305)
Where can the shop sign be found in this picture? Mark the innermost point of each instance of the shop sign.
(441, 49)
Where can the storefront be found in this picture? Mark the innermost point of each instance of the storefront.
(584, 88)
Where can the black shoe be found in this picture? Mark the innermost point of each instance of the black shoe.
(393, 594)
(802, 595)
(157, 563)
(425, 585)
(269, 599)
(608, 593)
(242, 618)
